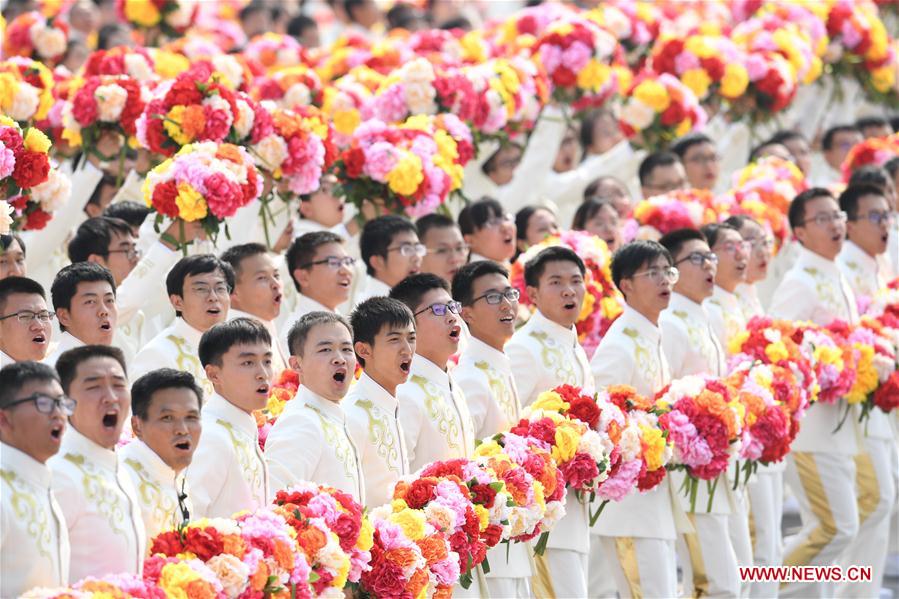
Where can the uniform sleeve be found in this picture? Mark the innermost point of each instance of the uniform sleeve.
(146, 283)
(151, 357)
(292, 451)
(69, 497)
(716, 322)
(526, 375)
(206, 475)
(410, 420)
(536, 162)
(611, 366)
(673, 344)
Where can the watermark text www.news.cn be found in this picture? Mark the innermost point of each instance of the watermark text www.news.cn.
(806, 574)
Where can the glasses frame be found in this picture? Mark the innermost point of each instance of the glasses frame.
(65, 403)
(839, 216)
(876, 218)
(453, 306)
(347, 261)
(417, 249)
(671, 275)
(34, 316)
(503, 295)
(710, 257)
(130, 253)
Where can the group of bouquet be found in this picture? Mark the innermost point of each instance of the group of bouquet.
(602, 301)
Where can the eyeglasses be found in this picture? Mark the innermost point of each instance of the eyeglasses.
(440, 309)
(443, 252)
(498, 221)
(700, 258)
(27, 316)
(703, 159)
(667, 187)
(876, 218)
(220, 289)
(45, 403)
(132, 253)
(333, 262)
(495, 297)
(410, 249)
(731, 247)
(760, 243)
(823, 219)
(659, 275)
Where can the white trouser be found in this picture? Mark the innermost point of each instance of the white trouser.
(766, 498)
(509, 588)
(567, 574)
(710, 564)
(601, 576)
(738, 530)
(875, 469)
(643, 567)
(824, 487)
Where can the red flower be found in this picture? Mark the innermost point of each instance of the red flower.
(585, 410)
(163, 198)
(11, 139)
(887, 395)
(205, 543)
(36, 220)
(184, 91)
(492, 535)
(223, 196)
(579, 470)
(354, 160)
(483, 495)
(420, 492)
(31, 169)
(218, 123)
(168, 543)
(649, 479)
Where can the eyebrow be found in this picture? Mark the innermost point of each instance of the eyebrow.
(251, 354)
(97, 377)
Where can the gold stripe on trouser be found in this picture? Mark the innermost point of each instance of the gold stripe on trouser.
(751, 516)
(868, 489)
(627, 559)
(694, 548)
(817, 498)
(541, 581)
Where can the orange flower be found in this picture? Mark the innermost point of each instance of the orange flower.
(229, 152)
(268, 57)
(193, 121)
(234, 545)
(287, 124)
(311, 540)
(418, 581)
(284, 555)
(402, 556)
(199, 589)
(259, 578)
(433, 549)
(443, 593)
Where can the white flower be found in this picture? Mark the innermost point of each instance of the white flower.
(136, 66)
(297, 95)
(48, 41)
(244, 121)
(630, 443)
(24, 102)
(229, 67)
(637, 114)
(287, 57)
(111, 100)
(54, 192)
(231, 572)
(5, 217)
(180, 17)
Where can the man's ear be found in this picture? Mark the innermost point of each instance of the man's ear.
(63, 316)
(378, 263)
(97, 259)
(136, 427)
(176, 300)
(800, 234)
(531, 291)
(295, 363)
(466, 314)
(363, 350)
(304, 208)
(213, 373)
(301, 276)
(625, 286)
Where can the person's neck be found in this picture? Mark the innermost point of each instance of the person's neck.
(381, 380)
(863, 248)
(325, 397)
(194, 326)
(9, 443)
(94, 441)
(650, 315)
(231, 401)
(819, 254)
(692, 298)
(329, 304)
(497, 343)
(728, 286)
(439, 359)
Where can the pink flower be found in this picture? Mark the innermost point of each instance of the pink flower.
(7, 162)
(550, 57)
(616, 488)
(218, 122)
(756, 67)
(685, 61)
(223, 196)
(380, 159)
(576, 56)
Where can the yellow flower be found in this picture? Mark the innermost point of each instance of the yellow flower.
(625, 78)
(73, 137)
(594, 75)
(777, 351)
(366, 535)
(343, 572)
(411, 521)
(168, 64)
(883, 78)
(567, 440)
(36, 141)
(866, 378)
(734, 81)
(700, 46)
(407, 175)
(550, 401)
(653, 446)
(683, 128)
(587, 306)
(174, 578)
(488, 448)
(172, 125)
(737, 342)
(346, 121)
(142, 12)
(653, 94)
(191, 205)
(829, 355)
(473, 47)
(698, 81)
(483, 516)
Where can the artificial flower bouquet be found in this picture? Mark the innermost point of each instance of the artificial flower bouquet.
(170, 17)
(35, 36)
(658, 109)
(874, 151)
(678, 209)
(27, 87)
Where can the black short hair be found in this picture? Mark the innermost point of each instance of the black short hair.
(674, 241)
(474, 217)
(785, 135)
(238, 253)
(65, 283)
(143, 389)
(891, 166)
(851, 196)
(587, 210)
(374, 315)
(591, 192)
(464, 279)
(827, 140)
(654, 161)
(94, 236)
(870, 175)
(459, 22)
(632, 256)
(68, 362)
(872, 121)
(433, 221)
(522, 218)
(254, 7)
(104, 36)
(796, 213)
(680, 146)
(712, 232)
(490, 164)
(588, 122)
(756, 152)
(414, 287)
(298, 25)
(738, 221)
(296, 337)
(18, 374)
(12, 285)
(378, 234)
(6, 241)
(302, 251)
(132, 213)
(216, 342)
(192, 266)
(535, 267)
(403, 16)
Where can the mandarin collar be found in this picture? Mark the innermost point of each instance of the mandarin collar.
(807, 257)
(368, 388)
(220, 407)
(851, 251)
(685, 304)
(421, 366)
(331, 410)
(25, 466)
(479, 350)
(182, 328)
(306, 304)
(75, 442)
(540, 321)
(643, 325)
(150, 460)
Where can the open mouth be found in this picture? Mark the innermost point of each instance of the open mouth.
(110, 419)
(837, 238)
(184, 445)
(263, 389)
(455, 332)
(105, 326)
(344, 283)
(710, 280)
(506, 319)
(405, 365)
(508, 240)
(277, 299)
(665, 293)
(569, 305)
(340, 376)
(39, 339)
(56, 432)
(213, 311)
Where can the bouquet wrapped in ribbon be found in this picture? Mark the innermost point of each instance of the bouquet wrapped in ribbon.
(413, 166)
(31, 187)
(702, 419)
(35, 36)
(602, 302)
(205, 182)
